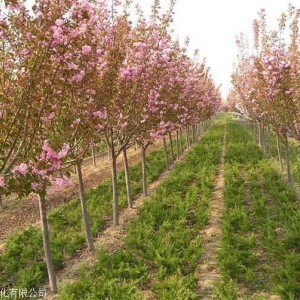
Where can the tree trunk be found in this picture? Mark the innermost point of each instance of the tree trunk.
(181, 142)
(279, 151)
(144, 171)
(171, 144)
(177, 144)
(166, 153)
(287, 154)
(259, 135)
(193, 134)
(85, 214)
(114, 176)
(46, 244)
(127, 178)
(1, 201)
(263, 136)
(109, 153)
(93, 157)
(187, 138)
(269, 142)
(254, 131)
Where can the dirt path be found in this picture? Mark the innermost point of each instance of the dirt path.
(21, 213)
(111, 238)
(207, 271)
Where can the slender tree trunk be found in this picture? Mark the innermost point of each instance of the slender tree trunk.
(85, 214)
(93, 157)
(166, 153)
(259, 135)
(171, 144)
(194, 134)
(181, 142)
(74, 169)
(127, 178)
(114, 176)
(263, 135)
(287, 154)
(191, 134)
(144, 171)
(46, 244)
(1, 201)
(279, 151)
(256, 132)
(109, 153)
(269, 142)
(187, 138)
(177, 144)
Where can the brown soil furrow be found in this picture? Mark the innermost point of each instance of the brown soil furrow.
(207, 271)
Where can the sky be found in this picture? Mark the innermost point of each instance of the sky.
(212, 26)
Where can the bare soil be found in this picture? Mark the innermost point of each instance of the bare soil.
(207, 271)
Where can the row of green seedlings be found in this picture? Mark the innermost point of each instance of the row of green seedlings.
(285, 151)
(260, 247)
(162, 246)
(22, 262)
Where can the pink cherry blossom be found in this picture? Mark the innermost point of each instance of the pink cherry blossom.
(78, 77)
(75, 122)
(59, 22)
(61, 182)
(36, 187)
(2, 182)
(21, 169)
(63, 152)
(86, 49)
(100, 115)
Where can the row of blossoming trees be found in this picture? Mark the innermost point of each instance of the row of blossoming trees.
(267, 83)
(73, 73)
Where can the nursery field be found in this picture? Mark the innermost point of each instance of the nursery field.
(130, 169)
(223, 223)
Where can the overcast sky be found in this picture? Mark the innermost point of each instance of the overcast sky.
(213, 25)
